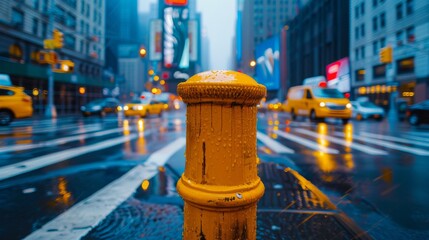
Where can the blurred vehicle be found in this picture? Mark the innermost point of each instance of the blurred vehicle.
(318, 103)
(14, 103)
(100, 107)
(167, 99)
(418, 113)
(143, 108)
(5, 80)
(366, 109)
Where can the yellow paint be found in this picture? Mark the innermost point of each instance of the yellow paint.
(220, 185)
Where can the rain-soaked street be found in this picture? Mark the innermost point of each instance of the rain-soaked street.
(374, 171)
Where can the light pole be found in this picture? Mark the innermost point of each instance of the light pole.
(50, 110)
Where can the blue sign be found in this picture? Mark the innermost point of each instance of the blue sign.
(267, 63)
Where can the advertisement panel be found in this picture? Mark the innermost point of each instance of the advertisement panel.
(176, 2)
(338, 75)
(268, 66)
(193, 40)
(176, 41)
(155, 47)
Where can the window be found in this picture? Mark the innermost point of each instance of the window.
(379, 71)
(400, 37)
(409, 7)
(410, 35)
(4, 92)
(357, 12)
(356, 33)
(382, 42)
(375, 47)
(405, 65)
(374, 24)
(374, 3)
(17, 19)
(383, 20)
(399, 14)
(35, 28)
(362, 51)
(35, 4)
(69, 41)
(70, 21)
(45, 6)
(357, 53)
(362, 30)
(44, 29)
(362, 8)
(360, 74)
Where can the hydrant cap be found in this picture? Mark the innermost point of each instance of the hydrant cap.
(221, 87)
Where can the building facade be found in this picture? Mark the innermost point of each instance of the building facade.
(318, 36)
(402, 25)
(258, 20)
(24, 24)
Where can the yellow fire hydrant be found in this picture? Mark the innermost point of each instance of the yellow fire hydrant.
(220, 185)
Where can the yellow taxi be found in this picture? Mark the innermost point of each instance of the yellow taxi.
(143, 108)
(318, 103)
(14, 103)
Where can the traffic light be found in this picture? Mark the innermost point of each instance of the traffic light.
(386, 54)
(63, 66)
(142, 52)
(44, 57)
(58, 38)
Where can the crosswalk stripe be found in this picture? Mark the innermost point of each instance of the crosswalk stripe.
(342, 142)
(76, 222)
(386, 144)
(49, 159)
(306, 142)
(58, 141)
(420, 134)
(391, 138)
(272, 144)
(422, 139)
(36, 129)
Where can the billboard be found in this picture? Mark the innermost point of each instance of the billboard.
(338, 75)
(176, 2)
(193, 40)
(176, 41)
(155, 45)
(268, 66)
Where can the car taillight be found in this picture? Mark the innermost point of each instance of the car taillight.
(26, 99)
(408, 113)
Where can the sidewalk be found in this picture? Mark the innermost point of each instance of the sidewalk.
(291, 208)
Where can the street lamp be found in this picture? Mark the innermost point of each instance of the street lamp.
(252, 63)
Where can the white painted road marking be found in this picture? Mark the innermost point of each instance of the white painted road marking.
(395, 139)
(49, 159)
(76, 222)
(386, 144)
(58, 141)
(412, 137)
(272, 144)
(354, 145)
(307, 143)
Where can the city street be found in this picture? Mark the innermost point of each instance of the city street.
(373, 171)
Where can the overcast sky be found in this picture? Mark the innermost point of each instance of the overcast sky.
(219, 18)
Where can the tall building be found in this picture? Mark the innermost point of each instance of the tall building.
(23, 27)
(258, 20)
(318, 36)
(402, 25)
(123, 44)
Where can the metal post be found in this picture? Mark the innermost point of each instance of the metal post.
(50, 110)
(220, 185)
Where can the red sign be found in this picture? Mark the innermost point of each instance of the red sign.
(176, 2)
(332, 71)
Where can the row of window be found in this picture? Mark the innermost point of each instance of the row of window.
(409, 8)
(404, 66)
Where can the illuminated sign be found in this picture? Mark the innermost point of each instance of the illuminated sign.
(155, 46)
(176, 41)
(176, 2)
(338, 75)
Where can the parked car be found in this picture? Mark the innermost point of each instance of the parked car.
(100, 107)
(418, 113)
(317, 103)
(143, 108)
(14, 103)
(366, 109)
